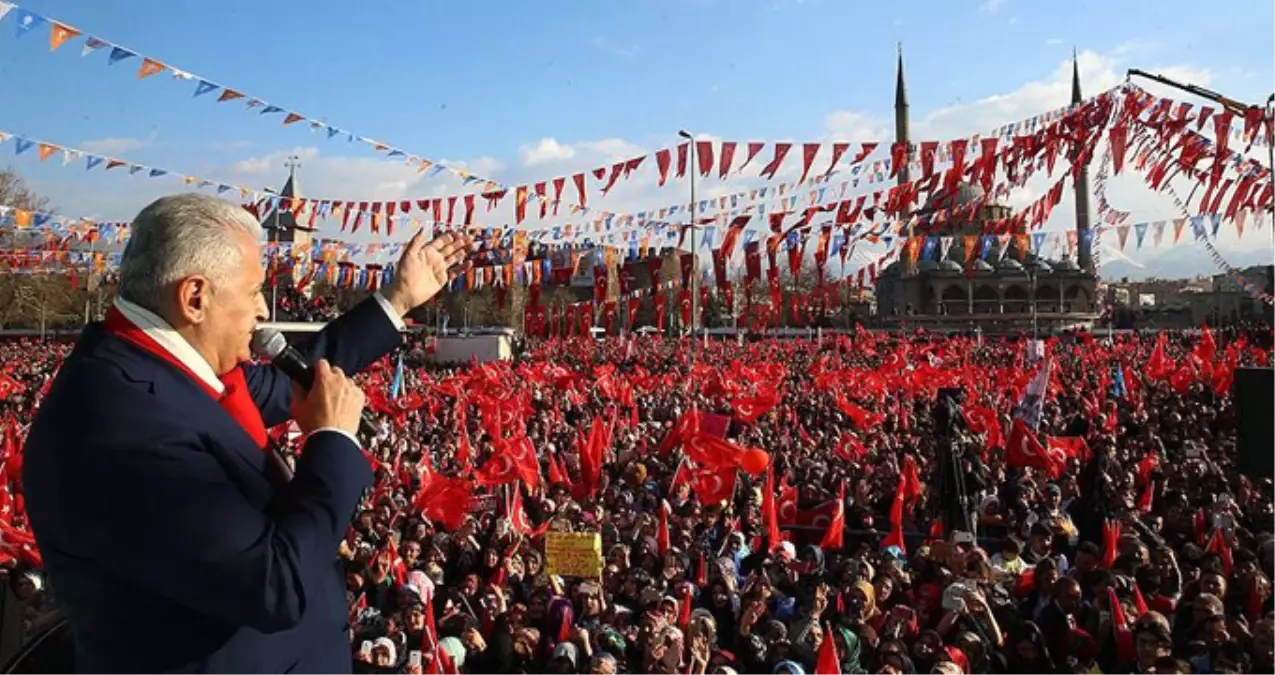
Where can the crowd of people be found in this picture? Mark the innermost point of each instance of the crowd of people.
(785, 506)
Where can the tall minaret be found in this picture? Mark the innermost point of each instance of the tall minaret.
(1083, 243)
(901, 136)
(901, 115)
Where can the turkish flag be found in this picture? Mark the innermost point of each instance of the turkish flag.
(1023, 449)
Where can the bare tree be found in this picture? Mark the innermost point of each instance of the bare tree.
(15, 192)
(33, 300)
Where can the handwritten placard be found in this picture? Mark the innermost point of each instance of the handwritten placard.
(573, 554)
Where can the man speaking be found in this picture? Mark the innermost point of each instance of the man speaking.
(174, 538)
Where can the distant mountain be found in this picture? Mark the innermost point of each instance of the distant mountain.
(1177, 262)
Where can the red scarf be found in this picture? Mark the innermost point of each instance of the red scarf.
(236, 400)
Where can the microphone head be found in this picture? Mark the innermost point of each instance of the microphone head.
(267, 343)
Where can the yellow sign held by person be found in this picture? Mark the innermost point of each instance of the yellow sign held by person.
(573, 554)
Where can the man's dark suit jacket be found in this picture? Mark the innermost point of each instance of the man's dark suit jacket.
(171, 541)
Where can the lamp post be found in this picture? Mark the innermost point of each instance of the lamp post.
(1031, 277)
(690, 172)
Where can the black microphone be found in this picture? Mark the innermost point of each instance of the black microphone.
(270, 345)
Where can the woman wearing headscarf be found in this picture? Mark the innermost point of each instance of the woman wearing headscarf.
(892, 658)
(926, 650)
(1028, 652)
(664, 653)
(848, 648)
(558, 625)
(789, 668)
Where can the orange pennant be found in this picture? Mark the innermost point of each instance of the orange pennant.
(229, 95)
(47, 151)
(60, 34)
(292, 117)
(22, 218)
(111, 164)
(149, 67)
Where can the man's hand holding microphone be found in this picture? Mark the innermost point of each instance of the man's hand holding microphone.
(333, 402)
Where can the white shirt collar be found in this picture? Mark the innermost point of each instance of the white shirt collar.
(171, 341)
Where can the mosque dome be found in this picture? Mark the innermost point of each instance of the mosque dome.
(963, 195)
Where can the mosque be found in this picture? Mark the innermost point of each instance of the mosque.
(1017, 293)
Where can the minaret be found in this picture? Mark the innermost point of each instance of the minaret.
(1083, 243)
(901, 136)
(901, 115)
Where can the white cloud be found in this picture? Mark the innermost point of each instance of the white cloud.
(848, 125)
(992, 5)
(545, 151)
(119, 146)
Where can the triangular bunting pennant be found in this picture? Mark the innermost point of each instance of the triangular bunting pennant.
(119, 54)
(59, 34)
(91, 44)
(149, 67)
(228, 95)
(203, 87)
(27, 20)
(1140, 230)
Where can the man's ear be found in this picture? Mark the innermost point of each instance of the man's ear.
(192, 298)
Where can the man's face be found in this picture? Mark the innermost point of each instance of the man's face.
(230, 310)
(411, 552)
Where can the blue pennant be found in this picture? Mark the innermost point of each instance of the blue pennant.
(333, 131)
(271, 109)
(203, 87)
(92, 161)
(28, 20)
(156, 173)
(21, 145)
(119, 54)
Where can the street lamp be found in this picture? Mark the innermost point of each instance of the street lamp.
(690, 141)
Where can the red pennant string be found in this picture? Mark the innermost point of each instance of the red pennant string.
(728, 156)
(662, 160)
(781, 151)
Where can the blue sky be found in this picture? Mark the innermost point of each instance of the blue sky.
(483, 83)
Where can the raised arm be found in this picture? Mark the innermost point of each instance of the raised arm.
(373, 328)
